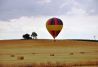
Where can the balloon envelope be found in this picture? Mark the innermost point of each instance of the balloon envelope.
(54, 26)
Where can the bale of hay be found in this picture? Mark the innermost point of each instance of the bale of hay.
(71, 53)
(20, 57)
(12, 55)
(51, 54)
(82, 52)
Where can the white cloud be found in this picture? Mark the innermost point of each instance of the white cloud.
(74, 27)
(75, 8)
(32, 15)
(79, 7)
(77, 11)
(10, 9)
(92, 11)
(79, 27)
(43, 1)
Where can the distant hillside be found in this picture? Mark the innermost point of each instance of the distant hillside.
(84, 40)
(50, 42)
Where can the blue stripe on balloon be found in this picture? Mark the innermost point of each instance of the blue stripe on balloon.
(60, 22)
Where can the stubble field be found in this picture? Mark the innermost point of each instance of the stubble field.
(47, 53)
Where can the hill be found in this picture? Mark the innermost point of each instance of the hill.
(48, 53)
(49, 42)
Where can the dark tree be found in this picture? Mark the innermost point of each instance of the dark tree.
(34, 35)
(26, 36)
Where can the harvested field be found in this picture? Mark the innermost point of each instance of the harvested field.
(47, 53)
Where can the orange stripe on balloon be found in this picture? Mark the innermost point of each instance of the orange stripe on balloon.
(54, 27)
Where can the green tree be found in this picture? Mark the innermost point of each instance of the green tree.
(26, 36)
(34, 35)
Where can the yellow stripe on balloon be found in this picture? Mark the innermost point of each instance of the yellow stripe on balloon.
(54, 27)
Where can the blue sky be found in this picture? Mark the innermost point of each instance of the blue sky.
(17, 17)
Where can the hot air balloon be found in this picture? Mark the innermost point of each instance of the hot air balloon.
(54, 26)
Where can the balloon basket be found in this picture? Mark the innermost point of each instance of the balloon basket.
(54, 40)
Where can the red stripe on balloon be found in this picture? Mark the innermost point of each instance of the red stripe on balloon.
(54, 33)
(49, 22)
(56, 21)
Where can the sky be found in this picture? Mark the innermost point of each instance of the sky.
(18, 17)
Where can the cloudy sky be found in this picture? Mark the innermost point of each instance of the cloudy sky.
(17, 17)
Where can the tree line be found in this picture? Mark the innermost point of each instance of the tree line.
(28, 36)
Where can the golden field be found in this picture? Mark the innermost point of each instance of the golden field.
(48, 53)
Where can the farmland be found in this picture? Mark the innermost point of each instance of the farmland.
(42, 53)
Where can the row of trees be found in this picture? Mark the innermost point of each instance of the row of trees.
(28, 36)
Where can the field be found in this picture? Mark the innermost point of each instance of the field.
(48, 53)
